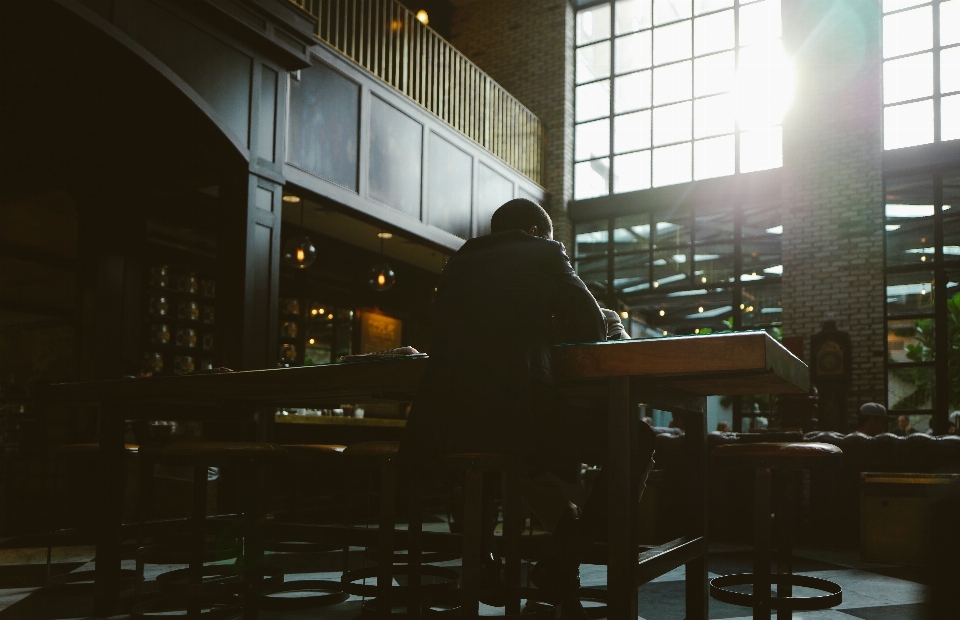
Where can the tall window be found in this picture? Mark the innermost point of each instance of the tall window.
(670, 91)
(921, 72)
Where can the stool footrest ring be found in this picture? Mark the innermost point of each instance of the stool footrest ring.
(326, 593)
(832, 598)
(349, 579)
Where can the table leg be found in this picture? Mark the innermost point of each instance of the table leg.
(697, 586)
(110, 511)
(761, 544)
(623, 490)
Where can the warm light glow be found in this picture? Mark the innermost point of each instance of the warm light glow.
(656, 284)
(312, 341)
(422, 17)
(624, 315)
(321, 311)
(300, 255)
(923, 259)
(330, 317)
(742, 306)
(923, 291)
(291, 198)
(696, 331)
(663, 312)
(704, 279)
(396, 25)
(385, 235)
(381, 279)
(664, 332)
(700, 309)
(314, 312)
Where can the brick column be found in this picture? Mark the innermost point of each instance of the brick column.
(528, 48)
(832, 184)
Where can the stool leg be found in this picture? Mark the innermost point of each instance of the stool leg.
(761, 544)
(388, 496)
(472, 545)
(512, 531)
(785, 524)
(197, 521)
(414, 545)
(252, 578)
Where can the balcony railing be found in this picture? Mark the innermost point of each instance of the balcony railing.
(387, 40)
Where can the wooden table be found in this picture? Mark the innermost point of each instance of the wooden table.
(672, 374)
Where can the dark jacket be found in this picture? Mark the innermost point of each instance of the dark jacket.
(499, 304)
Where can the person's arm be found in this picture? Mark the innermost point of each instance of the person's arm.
(574, 303)
(615, 329)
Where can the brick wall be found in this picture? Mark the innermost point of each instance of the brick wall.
(832, 183)
(527, 46)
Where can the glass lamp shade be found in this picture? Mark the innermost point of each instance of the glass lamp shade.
(299, 252)
(382, 277)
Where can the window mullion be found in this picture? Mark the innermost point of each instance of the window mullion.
(936, 71)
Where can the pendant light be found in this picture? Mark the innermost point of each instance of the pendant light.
(382, 278)
(299, 251)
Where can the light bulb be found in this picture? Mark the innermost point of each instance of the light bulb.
(382, 278)
(422, 17)
(663, 312)
(299, 252)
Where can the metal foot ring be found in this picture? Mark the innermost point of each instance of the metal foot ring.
(833, 597)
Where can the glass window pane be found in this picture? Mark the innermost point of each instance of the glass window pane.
(593, 100)
(593, 272)
(909, 240)
(713, 33)
(907, 32)
(910, 340)
(705, 6)
(672, 83)
(672, 231)
(950, 118)
(714, 158)
(631, 234)
(671, 164)
(908, 78)
(633, 52)
(713, 264)
(908, 125)
(714, 225)
(762, 221)
(593, 139)
(631, 272)
(673, 42)
(950, 69)
(910, 388)
(761, 258)
(593, 62)
(632, 92)
(950, 22)
(714, 74)
(951, 235)
(759, 22)
(896, 5)
(591, 238)
(593, 24)
(631, 172)
(671, 267)
(909, 293)
(631, 132)
(713, 116)
(665, 11)
(633, 15)
(590, 179)
(761, 306)
(761, 149)
(671, 123)
(764, 85)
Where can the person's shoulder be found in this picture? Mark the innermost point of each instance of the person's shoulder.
(510, 238)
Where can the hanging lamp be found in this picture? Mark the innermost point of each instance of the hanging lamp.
(382, 278)
(299, 251)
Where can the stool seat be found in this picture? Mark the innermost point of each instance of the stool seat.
(199, 453)
(308, 449)
(778, 455)
(378, 449)
(81, 449)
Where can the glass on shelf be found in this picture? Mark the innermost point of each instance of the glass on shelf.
(183, 364)
(288, 329)
(288, 354)
(208, 341)
(187, 338)
(207, 313)
(153, 360)
(160, 334)
(189, 310)
(159, 305)
(209, 288)
(188, 283)
(206, 364)
(160, 276)
(289, 305)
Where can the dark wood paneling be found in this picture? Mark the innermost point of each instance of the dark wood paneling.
(324, 125)
(449, 187)
(494, 190)
(267, 114)
(396, 158)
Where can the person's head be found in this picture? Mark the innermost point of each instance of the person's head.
(903, 422)
(723, 427)
(872, 420)
(522, 214)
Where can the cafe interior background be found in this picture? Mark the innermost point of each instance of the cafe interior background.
(185, 189)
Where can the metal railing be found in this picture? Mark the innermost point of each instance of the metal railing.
(386, 39)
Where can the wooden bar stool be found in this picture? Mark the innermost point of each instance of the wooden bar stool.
(219, 589)
(78, 456)
(764, 458)
(383, 455)
(323, 459)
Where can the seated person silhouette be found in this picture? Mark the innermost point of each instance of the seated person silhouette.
(502, 300)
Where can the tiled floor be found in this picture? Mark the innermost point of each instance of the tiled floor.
(871, 592)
